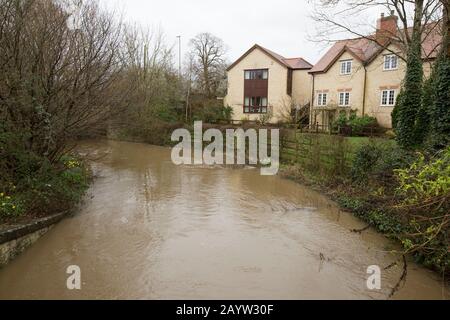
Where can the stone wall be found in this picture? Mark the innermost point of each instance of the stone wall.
(14, 239)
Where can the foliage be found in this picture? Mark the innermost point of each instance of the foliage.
(10, 206)
(407, 108)
(31, 184)
(227, 113)
(264, 118)
(395, 112)
(424, 181)
(208, 110)
(365, 159)
(440, 106)
(377, 162)
(340, 122)
(357, 124)
(383, 221)
(424, 192)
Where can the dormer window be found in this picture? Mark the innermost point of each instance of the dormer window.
(346, 67)
(390, 62)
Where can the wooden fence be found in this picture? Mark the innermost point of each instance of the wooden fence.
(319, 154)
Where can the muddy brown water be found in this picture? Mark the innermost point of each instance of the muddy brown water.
(151, 230)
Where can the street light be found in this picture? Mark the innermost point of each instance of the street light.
(179, 56)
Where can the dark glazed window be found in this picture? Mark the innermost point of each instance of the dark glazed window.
(260, 74)
(255, 105)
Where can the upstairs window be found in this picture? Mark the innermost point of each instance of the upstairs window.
(322, 99)
(260, 74)
(255, 105)
(388, 98)
(390, 62)
(346, 67)
(344, 99)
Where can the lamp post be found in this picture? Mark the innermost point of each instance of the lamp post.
(179, 56)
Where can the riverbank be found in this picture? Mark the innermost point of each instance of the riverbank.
(37, 196)
(401, 194)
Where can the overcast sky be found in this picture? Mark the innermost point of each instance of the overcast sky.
(283, 26)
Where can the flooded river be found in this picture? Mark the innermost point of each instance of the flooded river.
(151, 230)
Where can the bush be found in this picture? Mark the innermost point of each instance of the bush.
(424, 192)
(33, 185)
(340, 122)
(377, 161)
(365, 160)
(359, 124)
(10, 206)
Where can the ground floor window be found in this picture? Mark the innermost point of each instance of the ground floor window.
(255, 105)
(322, 99)
(344, 99)
(388, 97)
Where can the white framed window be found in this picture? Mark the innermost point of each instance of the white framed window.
(344, 99)
(388, 98)
(346, 67)
(390, 62)
(322, 99)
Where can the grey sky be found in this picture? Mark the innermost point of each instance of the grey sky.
(283, 26)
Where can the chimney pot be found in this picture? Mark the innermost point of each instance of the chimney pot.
(382, 14)
(392, 13)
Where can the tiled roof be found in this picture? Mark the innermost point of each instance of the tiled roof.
(365, 49)
(291, 63)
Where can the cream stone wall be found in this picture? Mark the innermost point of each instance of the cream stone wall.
(301, 87)
(379, 79)
(332, 82)
(278, 99)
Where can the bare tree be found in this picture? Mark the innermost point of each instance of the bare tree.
(209, 63)
(333, 18)
(56, 80)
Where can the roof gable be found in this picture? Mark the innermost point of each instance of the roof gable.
(366, 50)
(290, 63)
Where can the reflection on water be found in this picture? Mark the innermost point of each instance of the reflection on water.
(151, 230)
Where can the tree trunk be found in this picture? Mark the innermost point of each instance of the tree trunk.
(446, 27)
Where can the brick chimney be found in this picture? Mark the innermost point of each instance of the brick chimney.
(386, 28)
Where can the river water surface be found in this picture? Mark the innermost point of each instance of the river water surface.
(151, 230)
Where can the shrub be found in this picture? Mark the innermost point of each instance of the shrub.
(340, 122)
(359, 124)
(227, 113)
(365, 159)
(32, 185)
(424, 191)
(379, 161)
(10, 206)
(264, 118)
